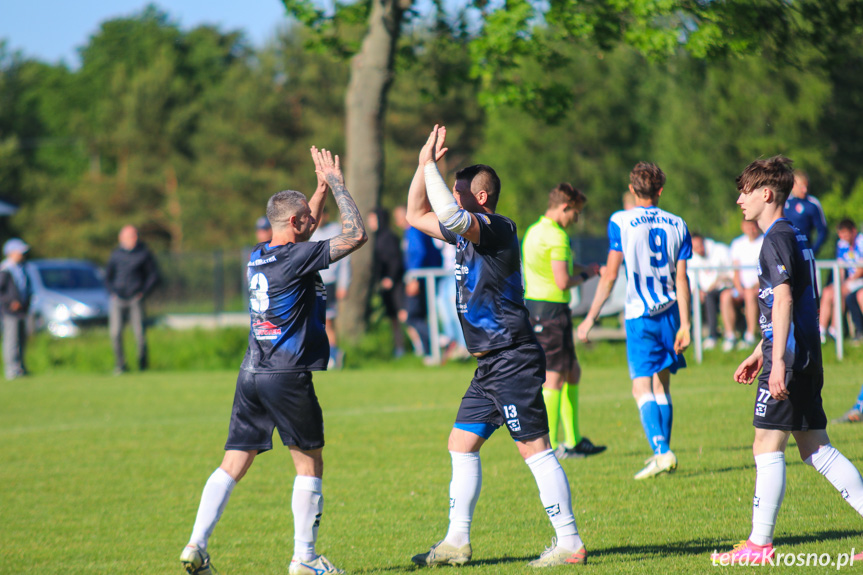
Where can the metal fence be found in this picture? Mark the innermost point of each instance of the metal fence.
(201, 282)
(215, 283)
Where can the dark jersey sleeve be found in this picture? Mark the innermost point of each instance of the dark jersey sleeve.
(310, 257)
(494, 231)
(777, 253)
(448, 236)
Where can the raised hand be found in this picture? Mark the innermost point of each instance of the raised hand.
(434, 149)
(327, 169)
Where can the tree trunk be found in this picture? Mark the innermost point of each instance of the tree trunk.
(365, 105)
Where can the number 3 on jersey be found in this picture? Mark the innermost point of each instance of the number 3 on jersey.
(258, 298)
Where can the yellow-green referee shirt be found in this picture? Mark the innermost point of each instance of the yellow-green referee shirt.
(544, 242)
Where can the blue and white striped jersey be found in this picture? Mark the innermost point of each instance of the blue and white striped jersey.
(652, 242)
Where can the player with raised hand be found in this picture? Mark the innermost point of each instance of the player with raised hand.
(507, 386)
(788, 398)
(654, 244)
(287, 342)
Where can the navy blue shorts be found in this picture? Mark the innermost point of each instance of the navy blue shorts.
(264, 401)
(802, 411)
(506, 390)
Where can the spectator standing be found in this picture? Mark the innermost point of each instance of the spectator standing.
(849, 250)
(337, 280)
(388, 272)
(420, 252)
(805, 212)
(263, 230)
(744, 252)
(446, 305)
(15, 292)
(711, 283)
(131, 275)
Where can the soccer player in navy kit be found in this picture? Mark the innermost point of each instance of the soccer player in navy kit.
(507, 385)
(788, 398)
(287, 342)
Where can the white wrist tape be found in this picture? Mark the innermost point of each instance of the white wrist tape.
(453, 218)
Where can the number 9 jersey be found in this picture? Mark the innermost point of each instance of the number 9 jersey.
(652, 242)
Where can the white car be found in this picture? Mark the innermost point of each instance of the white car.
(67, 295)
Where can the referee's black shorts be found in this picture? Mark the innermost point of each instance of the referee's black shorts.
(286, 401)
(552, 325)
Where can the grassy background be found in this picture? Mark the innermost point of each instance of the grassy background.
(103, 474)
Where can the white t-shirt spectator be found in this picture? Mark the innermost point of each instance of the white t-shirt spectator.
(715, 254)
(745, 252)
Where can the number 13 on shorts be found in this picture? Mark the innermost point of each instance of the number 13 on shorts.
(511, 414)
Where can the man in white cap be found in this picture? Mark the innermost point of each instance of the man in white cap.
(15, 292)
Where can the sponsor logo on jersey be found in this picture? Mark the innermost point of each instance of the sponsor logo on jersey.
(798, 208)
(461, 271)
(266, 330)
(653, 219)
(781, 269)
(260, 262)
(485, 218)
(765, 293)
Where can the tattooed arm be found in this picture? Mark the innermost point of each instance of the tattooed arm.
(318, 199)
(353, 231)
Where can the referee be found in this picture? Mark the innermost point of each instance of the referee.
(549, 273)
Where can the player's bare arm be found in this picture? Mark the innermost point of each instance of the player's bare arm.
(782, 309)
(603, 290)
(580, 274)
(419, 213)
(353, 231)
(319, 198)
(748, 370)
(439, 201)
(684, 303)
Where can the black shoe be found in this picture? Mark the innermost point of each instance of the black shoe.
(585, 447)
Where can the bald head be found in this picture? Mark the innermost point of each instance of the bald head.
(128, 237)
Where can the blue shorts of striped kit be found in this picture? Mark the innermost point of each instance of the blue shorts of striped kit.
(650, 344)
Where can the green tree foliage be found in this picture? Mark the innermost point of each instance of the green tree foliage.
(186, 133)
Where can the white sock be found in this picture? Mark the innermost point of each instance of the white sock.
(556, 497)
(307, 504)
(214, 498)
(841, 473)
(769, 491)
(464, 491)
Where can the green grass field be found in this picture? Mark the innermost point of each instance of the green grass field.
(103, 475)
